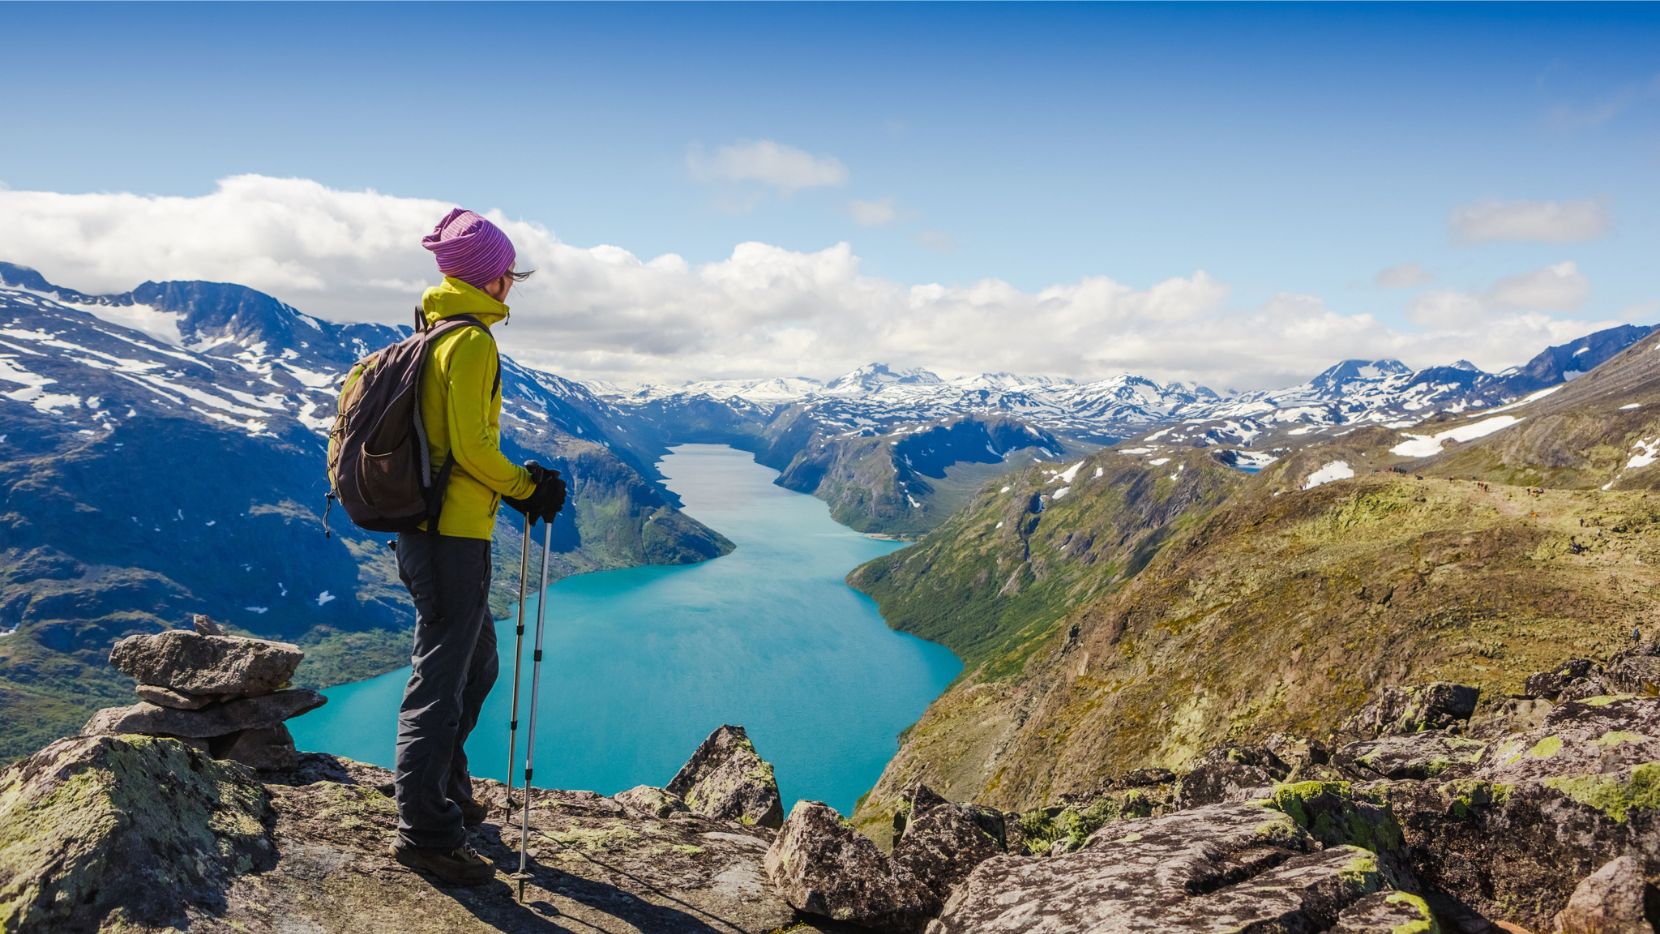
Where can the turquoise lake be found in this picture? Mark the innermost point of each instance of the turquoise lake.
(643, 663)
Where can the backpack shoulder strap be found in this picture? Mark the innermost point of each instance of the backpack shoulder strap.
(453, 322)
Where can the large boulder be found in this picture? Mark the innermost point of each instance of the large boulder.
(1238, 866)
(248, 713)
(1550, 684)
(1609, 901)
(942, 842)
(193, 663)
(1430, 754)
(1387, 913)
(646, 801)
(1434, 706)
(726, 779)
(824, 867)
(145, 827)
(1230, 773)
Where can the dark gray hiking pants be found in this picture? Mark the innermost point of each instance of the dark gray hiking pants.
(454, 665)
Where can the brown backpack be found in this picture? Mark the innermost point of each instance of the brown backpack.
(379, 469)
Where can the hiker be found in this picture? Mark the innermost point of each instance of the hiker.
(447, 569)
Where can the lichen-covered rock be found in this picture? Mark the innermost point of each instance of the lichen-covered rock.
(646, 801)
(206, 625)
(136, 826)
(1508, 715)
(246, 713)
(178, 700)
(1609, 901)
(1590, 737)
(823, 866)
(1515, 851)
(1387, 913)
(1433, 706)
(193, 663)
(1636, 674)
(941, 844)
(1430, 754)
(123, 833)
(267, 748)
(1230, 773)
(1549, 684)
(1064, 828)
(726, 779)
(1215, 868)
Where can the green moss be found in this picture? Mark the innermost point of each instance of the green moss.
(1042, 830)
(1604, 700)
(1423, 924)
(1362, 869)
(1335, 815)
(1615, 795)
(1619, 737)
(1468, 796)
(1545, 748)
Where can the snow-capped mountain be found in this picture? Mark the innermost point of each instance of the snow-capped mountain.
(876, 399)
(1357, 393)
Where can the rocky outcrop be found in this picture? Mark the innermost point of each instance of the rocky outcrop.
(1398, 710)
(824, 867)
(125, 829)
(219, 692)
(1222, 867)
(1230, 773)
(137, 833)
(727, 780)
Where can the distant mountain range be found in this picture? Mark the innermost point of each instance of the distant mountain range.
(871, 442)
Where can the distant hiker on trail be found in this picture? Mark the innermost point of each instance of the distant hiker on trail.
(447, 569)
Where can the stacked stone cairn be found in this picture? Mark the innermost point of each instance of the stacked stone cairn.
(223, 694)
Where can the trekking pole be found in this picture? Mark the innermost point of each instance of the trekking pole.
(518, 650)
(535, 679)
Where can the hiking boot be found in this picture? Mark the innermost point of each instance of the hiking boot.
(473, 813)
(460, 866)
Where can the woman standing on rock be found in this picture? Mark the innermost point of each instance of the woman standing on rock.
(447, 569)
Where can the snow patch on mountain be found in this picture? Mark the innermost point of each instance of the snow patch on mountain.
(1430, 445)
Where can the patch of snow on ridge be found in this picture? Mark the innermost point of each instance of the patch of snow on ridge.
(1156, 462)
(1430, 445)
(1631, 405)
(1062, 492)
(324, 597)
(1646, 452)
(1336, 470)
(1530, 397)
(1067, 475)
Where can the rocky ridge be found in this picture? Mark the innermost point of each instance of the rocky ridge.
(1546, 820)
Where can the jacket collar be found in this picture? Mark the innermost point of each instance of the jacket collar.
(454, 297)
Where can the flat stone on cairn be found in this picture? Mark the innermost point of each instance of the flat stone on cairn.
(208, 688)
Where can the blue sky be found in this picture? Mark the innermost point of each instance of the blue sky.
(1280, 149)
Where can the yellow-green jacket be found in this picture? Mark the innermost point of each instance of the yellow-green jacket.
(463, 415)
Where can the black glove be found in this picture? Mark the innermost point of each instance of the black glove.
(547, 499)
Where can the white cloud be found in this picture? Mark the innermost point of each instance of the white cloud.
(1561, 287)
(1530, 221)
(604, 312)
(1593, 113)
(878, 213)
(1403, 276)
(765, 162)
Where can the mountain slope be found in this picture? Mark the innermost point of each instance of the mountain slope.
(161, 453)
(1277, 607)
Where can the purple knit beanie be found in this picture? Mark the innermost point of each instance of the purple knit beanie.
(470, 248)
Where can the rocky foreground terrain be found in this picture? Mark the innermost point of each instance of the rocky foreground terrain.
(1432, 809)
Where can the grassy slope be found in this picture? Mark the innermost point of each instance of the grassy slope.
(1280, 610)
